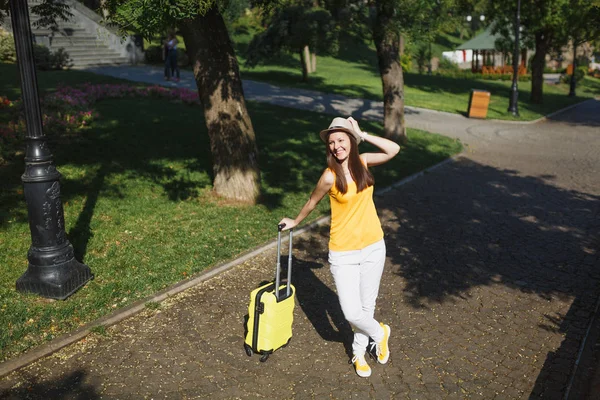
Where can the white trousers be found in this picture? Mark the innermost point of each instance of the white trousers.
(357, 275)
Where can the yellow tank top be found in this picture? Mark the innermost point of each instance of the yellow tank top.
(354, 221)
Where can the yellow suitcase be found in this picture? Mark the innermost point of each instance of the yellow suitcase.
(271, 311)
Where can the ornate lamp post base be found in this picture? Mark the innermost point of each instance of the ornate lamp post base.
(57, 281)
(53, 271)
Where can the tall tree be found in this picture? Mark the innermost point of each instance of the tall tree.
(386, 35)
(295, 29)
(232, 137)
(389, 20)
(582, 24)
(543, 25)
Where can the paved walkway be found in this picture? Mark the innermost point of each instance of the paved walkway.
(491, 280)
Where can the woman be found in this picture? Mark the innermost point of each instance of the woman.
(170, 51)
(356, 246)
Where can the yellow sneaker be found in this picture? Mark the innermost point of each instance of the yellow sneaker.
(382, 349)
(361, 366)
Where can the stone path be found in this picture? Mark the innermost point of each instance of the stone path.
(491, 279)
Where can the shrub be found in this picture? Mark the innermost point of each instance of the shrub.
(10, 129)
(580, 72)
(405, 62)
(45, 59)
(182, 58)
(154, 55)
(233, 9)
(61, 59)
(583, 61)
(564, 78)
(447, 65)
(422, 58)
(42, 56)
(7, 47)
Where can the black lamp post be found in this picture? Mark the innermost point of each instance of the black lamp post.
(53, 271)
(513, 106)
(573, 82)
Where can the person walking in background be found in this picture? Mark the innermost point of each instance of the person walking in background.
(356, 246)
(165, 57)
(171, 67)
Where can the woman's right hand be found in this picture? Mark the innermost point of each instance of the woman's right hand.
(289, 223)
(356, 128)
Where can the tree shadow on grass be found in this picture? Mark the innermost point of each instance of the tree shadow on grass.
(445, 84)
(124, 146)
(591, 85)
(315, 83)
(81, 232)
(500, 92)
(71, 386)
(472, 225)
(283, 59)
(353, 48)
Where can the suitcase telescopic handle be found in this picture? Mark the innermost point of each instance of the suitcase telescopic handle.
(278, 270)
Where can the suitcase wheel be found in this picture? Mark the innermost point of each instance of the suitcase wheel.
(248, 350)
(264, 357)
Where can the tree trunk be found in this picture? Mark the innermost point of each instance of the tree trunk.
(313, 62)
(305, 61)
(573, 83)
(387, 42)
(232, 139)
(402, 44)
(537, 67)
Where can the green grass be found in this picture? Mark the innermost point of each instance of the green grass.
(354, 73)
(138, 205)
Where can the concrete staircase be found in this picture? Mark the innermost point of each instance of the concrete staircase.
(88, 42)
(84, 48)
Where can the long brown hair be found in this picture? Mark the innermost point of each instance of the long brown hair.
(361, 175)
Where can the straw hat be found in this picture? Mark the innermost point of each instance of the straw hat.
(340, 124)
